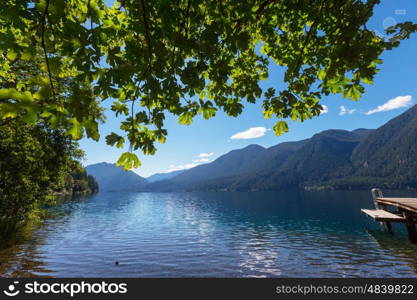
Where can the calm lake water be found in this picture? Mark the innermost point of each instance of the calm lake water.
(230, 234)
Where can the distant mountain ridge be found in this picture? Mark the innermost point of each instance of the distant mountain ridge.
(385, 157)
(111, 178)
(285, 166)
(332, 159)
(163, 176)
(233, 163)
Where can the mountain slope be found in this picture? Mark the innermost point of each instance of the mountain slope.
(235, 162)
(260, 172)
(389, 154)
(112, 178)
(275, 156)
(163, 176)
(325, 156)
(333, 159)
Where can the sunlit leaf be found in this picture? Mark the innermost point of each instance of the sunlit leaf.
(75, 131)
(128, 161)
(280, 127)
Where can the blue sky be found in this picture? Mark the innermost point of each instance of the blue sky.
(186, 145)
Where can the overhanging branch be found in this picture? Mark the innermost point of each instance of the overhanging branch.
(43, 22)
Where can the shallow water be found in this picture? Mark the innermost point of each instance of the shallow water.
(224, 234)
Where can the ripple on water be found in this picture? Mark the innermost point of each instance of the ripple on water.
(262, 234)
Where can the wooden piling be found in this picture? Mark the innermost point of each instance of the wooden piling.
(411, 228)
(407, 212)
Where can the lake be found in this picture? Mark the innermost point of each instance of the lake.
(214, 234)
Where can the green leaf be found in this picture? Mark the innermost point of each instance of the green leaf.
(31, 115)
(91, 128)
(352, 92)
(11, 55)
(76, 131)
(120, 108)
(322, 74)
(14, 94)
(27, 55)
(115, 139)
(280, 127)
(208, 112)
(8, 110)
(270, 93)
(185, 118)
(367, 80)
(128, 160)
(43, 93)
(161, 139)
(268, 114)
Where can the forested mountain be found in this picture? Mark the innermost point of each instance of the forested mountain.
(325, 155)
(388, 156)
(332, 159)
(112, 178)
(233, 163)
(288, 165)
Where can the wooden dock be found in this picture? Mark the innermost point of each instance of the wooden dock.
(381, 215)
(405, 211)
(409, 204)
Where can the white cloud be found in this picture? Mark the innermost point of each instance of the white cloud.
(395, 103)
(201, 160)
(325, 109)
(251, 133)
(181, 167)
(205, 154)
(344, 111)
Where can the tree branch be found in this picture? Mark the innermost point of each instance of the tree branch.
(145, 23)
(43, 21)
(309, 33)
(91, 24)
(262, 7)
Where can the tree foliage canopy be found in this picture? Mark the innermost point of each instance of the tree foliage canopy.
(36, 163)
(185, 57)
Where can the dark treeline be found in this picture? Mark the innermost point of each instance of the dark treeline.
(36, 165)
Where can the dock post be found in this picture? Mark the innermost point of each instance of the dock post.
(411, 229)
(376, 193)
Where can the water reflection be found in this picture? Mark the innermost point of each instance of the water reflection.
(262, 234)
(397, 247)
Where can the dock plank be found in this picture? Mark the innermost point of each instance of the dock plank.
(381, 215)
(407, 213)
(409, 204)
